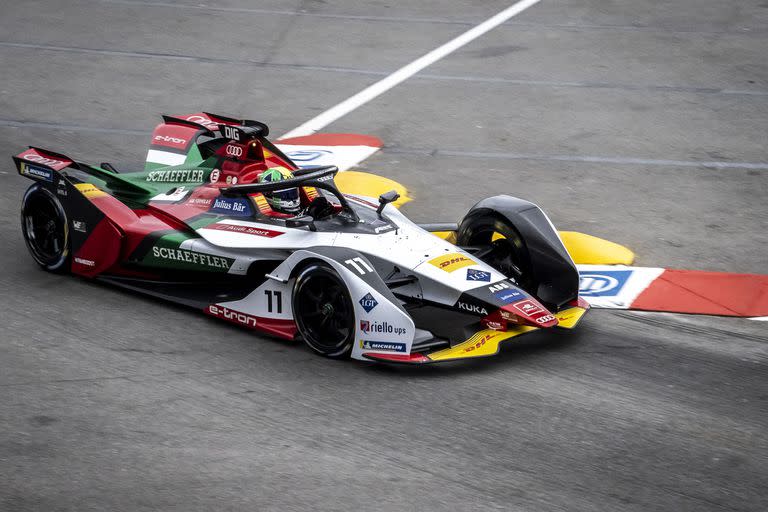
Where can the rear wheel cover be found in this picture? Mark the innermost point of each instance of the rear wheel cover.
(45, 229)
(324, 311)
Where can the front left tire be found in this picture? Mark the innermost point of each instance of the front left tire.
(324, 312)
(45, 228)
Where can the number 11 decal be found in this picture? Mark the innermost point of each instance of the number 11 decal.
(274, 298)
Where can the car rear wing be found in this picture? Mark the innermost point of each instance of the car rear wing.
(43, 165)
(214, 122)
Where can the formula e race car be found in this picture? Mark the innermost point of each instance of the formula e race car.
(350, 275)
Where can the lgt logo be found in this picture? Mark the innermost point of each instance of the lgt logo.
(368, 303)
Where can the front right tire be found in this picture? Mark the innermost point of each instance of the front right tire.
(45, 228)
(324, 312)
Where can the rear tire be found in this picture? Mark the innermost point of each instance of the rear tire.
(45, 228)
(324, 312)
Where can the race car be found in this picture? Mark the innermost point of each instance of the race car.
(218, 218)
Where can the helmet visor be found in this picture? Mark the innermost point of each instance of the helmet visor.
(286, 200)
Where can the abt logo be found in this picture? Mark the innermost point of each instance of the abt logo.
(231, 315)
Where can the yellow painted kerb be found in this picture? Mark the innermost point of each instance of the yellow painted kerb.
(371, 185)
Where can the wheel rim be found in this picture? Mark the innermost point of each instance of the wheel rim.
(324, 311)
(45, 228)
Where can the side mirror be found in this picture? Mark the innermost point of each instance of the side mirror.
(304, 220)
(386, 198)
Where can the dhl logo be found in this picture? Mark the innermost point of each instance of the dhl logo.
(479, 343)
(451, 262)
(89, 190)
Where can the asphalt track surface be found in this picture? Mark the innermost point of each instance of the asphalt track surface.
(644, 123)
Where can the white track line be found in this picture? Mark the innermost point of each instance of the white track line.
(345, 107)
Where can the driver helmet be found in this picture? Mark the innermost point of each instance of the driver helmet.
(283, 201)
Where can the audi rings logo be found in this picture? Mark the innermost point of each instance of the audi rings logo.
(203, 121)
(307, 155)
(50, 162)
(235, 151)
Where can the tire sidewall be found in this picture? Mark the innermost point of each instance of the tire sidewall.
(61, 263)
(316, 268)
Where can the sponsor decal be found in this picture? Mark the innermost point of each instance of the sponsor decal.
(172, 140)
(478, 275)
(234, 150)
(528, 307)
(89, 190)
(368, 302)
(452, 261)
(502, 285)
(214, 177)
(324, 178)
(307, 155)
(232, 315)
(79, 225)
(230, 132)
(36, 172)
(603, 283)
(496, 326)
(261, 203)
(544, 319)
(386, 346)
(479, 343)
(231, 206)
(200, 201)
(507, 296)
(472, 308)
(384, 228)
(61, 188)
(196, 258)
(203, 121)
(176, 176)
(173, 195)
(245, 230)
(87, 263)
(381, 328)
(50, 162)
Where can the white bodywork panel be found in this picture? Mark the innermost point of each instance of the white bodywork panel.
(384, 328)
